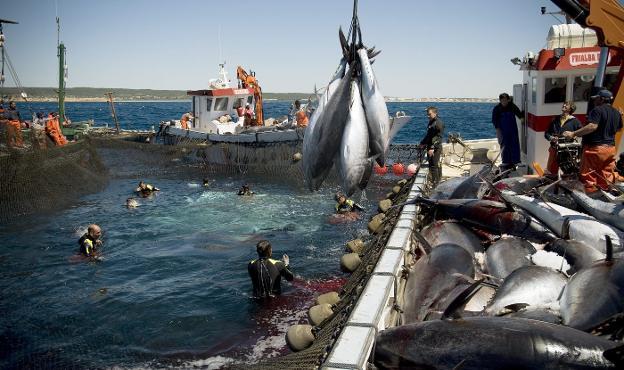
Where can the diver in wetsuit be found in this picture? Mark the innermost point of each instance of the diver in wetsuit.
(266, 273)
(145, 190)
(245, 190)
(344, 205)
(90, 242)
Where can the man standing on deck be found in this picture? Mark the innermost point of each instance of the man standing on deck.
(53, 129)
(301, 116)
(504, 120)
(14, 127)
(432, 142)
(598, 158)
(266, 273)
(184, 121)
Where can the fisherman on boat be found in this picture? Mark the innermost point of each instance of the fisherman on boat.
(266, 273)
(184, 121)
(301, 116)
(248, 115)
(14, 126)
(345, 205)
(53, 129)
(90, 242)
(432, 142)
(598, 158)
(504, 119)
(146, 190)
(245, 190)
(564, 122)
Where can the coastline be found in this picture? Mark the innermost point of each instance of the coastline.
(170, 100)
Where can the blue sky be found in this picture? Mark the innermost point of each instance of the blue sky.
(441, 48)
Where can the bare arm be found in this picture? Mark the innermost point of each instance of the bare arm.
(587, 129)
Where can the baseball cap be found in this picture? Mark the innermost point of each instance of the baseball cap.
(603, 93)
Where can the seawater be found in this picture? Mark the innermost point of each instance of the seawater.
(173, 288)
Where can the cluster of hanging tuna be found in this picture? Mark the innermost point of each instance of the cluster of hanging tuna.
(351, 125)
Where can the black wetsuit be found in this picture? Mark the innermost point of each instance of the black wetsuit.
(88, 246)
(266, 275)
(433, 140)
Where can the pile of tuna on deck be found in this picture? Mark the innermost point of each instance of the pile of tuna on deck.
(519, 274)
(351, 124)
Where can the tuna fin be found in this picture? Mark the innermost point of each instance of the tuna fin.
(497, 192)
(460, 301)
(565, 229)
(344, 44)
(609, 256)
(614, 326)
(373, 54)
(615, 355)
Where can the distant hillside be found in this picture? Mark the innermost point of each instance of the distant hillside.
(97, 94)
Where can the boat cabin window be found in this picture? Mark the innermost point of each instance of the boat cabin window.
(555, 89)
(221, 104)
(208, 104)
(249, 99)
(240, 102)
(534, 90)
(582, 87)
(609, 81)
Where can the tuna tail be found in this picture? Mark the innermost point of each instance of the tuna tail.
(498, 192)
(460, 301)
(609, 256)
(423, 242)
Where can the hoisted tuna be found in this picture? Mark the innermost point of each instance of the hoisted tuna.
(323, 140)
(377, 116)
(353, 156)
(310, 152)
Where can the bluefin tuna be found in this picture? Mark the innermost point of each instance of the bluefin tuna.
(488, 343)
(583, 228)
(376, 110)
(452, 232)
(594, 294)
(433, 277)
(324, 140)
(607, 212)
(353, 156)
(491, 216)
(310, 151)
(534, 286)
(507, 255)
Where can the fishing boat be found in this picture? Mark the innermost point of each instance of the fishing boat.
(216, 120)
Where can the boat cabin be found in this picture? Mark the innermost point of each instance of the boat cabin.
(564, 70)
(214, 109)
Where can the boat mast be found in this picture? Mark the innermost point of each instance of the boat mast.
(2, 49)
(61, 56)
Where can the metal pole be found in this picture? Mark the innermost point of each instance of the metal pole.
(61, 92)
(113, 113)
(602, 66)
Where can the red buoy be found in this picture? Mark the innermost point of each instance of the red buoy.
(411, 169)
(380, 170)
(398, 169)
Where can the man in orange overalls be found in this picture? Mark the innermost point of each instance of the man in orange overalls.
(14, 127)
(184, 121)
(598, 159)
(53, 129)
(301, 116)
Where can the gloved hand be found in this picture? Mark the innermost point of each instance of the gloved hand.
(286, 260)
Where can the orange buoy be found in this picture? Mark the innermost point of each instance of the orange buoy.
(398, 169)
(411, 169)
(380, 170)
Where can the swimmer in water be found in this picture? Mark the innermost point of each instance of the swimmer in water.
(90, 242)
(131, 203)
(145, 190)
(206, 183)
(266, 273)
(245, 190)
(344, 204)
